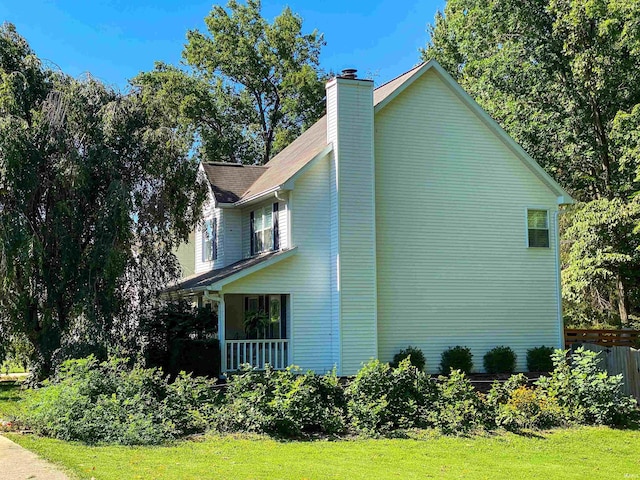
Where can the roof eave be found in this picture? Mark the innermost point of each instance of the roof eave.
(245, 201)
(287, 185)
(217, 286)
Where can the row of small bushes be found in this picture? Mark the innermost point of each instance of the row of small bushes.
(112, 402)
(497, 360)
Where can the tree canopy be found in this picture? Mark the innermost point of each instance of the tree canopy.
(96, 188)
(561, 77)
(249, 87)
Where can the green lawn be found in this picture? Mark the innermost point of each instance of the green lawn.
(9, 397)
(575, 453)
(10, 367)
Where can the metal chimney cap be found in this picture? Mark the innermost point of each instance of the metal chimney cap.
(349, 73)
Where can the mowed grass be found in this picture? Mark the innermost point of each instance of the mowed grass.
(10, 395)
(11, 367)
(573, 453)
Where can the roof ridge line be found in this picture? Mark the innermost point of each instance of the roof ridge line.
(397, 77)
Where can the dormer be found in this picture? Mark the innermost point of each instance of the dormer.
(218, 239)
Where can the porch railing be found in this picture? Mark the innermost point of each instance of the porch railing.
(256, 353)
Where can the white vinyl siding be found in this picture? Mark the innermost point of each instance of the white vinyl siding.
(332, 133)
(232, 236)
(305, 276)
(213, 214)
(450, 199)
(351, 102)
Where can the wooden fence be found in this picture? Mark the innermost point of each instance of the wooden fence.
(605, 338)
(621, 360)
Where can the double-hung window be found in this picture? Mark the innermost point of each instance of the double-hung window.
(538, 228)
(209, 240)
(264, 229)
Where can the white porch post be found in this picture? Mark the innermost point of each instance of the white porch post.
(221, 335)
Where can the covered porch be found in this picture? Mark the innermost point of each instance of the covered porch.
(254, 329)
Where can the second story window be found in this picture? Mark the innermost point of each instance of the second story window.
(209, 241)
(264, 229)
(538, 228)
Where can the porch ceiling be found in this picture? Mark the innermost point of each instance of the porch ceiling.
(201, 281)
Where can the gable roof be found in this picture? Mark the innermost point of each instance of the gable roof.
(290, 160)
(383, 91)
(230, 180)
(313, 142)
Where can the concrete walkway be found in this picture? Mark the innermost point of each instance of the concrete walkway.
(17, 463)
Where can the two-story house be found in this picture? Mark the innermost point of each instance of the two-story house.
(405, 216)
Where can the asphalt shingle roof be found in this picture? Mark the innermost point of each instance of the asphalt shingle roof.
(200, 281)
(232, 182)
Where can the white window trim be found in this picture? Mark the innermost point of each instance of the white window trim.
(526, 226)
(262, 211)
(214, 240)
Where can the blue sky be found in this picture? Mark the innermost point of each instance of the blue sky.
(116, 39)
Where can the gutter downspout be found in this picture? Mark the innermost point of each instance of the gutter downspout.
(556, 223)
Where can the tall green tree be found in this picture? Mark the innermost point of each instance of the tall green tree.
(250, 86)
(96, 188)
(561, 77)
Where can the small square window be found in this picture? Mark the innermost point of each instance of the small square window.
(538, 228)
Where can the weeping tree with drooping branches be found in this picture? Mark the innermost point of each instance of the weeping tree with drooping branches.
(96, 189)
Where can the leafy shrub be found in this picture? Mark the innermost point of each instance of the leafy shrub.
(458, 408)
(500, 393)
(414, 354)
(282, 403)
(111, 402)
(586, 394)
(500, 360)
(528, 408)
(381, 399)
(539, 359)
(456, 358)
(308, 403)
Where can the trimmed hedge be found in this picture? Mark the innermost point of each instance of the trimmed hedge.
(456, 358)
(414, 354)
(539, 359)
(500, 360)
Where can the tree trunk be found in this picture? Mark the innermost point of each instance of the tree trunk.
(623, 300)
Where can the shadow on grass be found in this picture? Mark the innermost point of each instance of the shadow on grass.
(9, 391)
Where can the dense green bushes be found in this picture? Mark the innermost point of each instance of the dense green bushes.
(113, 402)
(282, 403)
(586, 394)
(382, 399)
